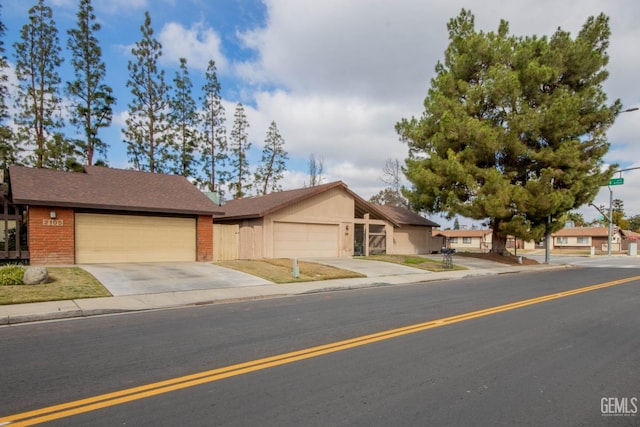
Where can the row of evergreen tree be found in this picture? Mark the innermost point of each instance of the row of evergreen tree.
(166, 131)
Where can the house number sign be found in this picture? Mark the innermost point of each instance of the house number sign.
(54, 222)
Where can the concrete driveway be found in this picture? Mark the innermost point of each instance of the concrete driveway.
(367, 267)
(151, 278)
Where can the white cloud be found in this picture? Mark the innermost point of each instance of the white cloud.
(337, 75)
(348, 71)
(336, 128)
(199, 44)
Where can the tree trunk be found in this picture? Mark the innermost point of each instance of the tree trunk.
(498, 241)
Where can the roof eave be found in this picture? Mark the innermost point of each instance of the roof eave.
(145, 209)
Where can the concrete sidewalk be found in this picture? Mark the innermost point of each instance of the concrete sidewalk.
(20, 313)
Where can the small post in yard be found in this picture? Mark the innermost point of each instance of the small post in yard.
(296, 269)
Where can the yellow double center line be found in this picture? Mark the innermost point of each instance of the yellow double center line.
(110, 399)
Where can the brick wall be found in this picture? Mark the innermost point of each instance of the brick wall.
(51, 240)
(204, 237)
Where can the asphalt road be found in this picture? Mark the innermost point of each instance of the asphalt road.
(548, 362)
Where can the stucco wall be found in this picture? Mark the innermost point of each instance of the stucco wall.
(334, 207)
(411, 240)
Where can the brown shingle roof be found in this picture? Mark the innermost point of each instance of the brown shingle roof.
(110, 189)
(404, 216)
(582, 231)
(630, 235)
(260, 206)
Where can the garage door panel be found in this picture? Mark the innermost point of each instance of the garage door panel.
(104, 238)
(295, 240)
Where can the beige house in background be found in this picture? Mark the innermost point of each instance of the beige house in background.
(465, 240)
(577, 238)
(413, 234)
(323, 221)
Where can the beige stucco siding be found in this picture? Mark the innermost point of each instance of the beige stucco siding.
(102, 238)
(298, 240)
(321, 226)
(411, 240)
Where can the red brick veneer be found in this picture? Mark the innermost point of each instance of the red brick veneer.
(50, 242)
(204, 238)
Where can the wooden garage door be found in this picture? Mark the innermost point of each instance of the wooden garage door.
(129, 238)
(296, 240)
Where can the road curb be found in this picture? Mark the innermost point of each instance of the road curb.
(89, 307)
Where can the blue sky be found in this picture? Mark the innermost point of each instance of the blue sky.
(337, 75)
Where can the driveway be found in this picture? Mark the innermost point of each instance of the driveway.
(368, 267)
(151, 278)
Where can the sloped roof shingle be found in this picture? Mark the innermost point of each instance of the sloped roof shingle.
(260, 206)
(582, 232)
(110, 189)
(404, 216)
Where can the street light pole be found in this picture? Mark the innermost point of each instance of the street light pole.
(609, 234)
(610, 221)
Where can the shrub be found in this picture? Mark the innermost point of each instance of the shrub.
(11, 275)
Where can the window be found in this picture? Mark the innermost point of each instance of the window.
(453, 240)
(583, 240)
(466, 240)
(562, 240)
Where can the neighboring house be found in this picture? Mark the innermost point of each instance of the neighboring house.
(112, 215)
(518, 243)
(629, 237)
(584, 238)
(327, 220)
(465, 240)
(413, 234)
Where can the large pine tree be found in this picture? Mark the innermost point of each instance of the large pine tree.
(514, 128)
(9, 149)
(239, 147)
(91, 98)
(38, 101)
(272, 164)
(214, 139)
(147, 128)
(184, 121)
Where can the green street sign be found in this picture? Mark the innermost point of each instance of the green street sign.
(616, 181)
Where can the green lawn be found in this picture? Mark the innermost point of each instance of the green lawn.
(65, 283)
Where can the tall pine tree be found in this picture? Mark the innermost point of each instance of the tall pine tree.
(514, 128)
(239, 148)
(91, 98)
(214, 138)
(147, 127)
(184, 123)
(38, 101)
(9, 149)
(272, 164)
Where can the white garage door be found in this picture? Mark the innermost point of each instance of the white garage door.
(128, 238)
(295, 240)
